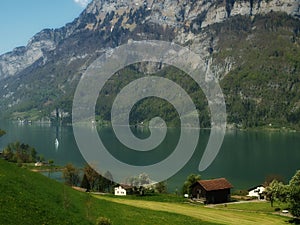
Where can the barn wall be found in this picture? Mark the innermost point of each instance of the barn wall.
(217, 196)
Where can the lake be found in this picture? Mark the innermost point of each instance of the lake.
(246, 158)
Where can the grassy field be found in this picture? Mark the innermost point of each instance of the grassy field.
(31, 198)
(215, 215)
(254, 206)
(155, 197)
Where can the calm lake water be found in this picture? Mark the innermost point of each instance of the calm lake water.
(245, 159)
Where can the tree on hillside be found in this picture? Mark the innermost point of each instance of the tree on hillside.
(92, 176)
(161, 187)
(140, 184)
(19, 152)
(71, 175)
(108, 181)
(51, 162)
(294, 194)
(101, 184)
(191, 179)
(138, 181)
(290, 193)
(92, 180)
(85, 183)
(132, 181)
(144, 179)
(276, 191)
(295, 181)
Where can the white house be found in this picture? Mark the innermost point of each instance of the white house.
(38, 164)
(120, 191)
(257, 192)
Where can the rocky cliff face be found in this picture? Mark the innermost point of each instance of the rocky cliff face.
(109, 15)
(21, 57)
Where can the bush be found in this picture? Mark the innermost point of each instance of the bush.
(277, 209)
(103, 221)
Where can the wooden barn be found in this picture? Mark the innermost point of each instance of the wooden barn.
(212, 191)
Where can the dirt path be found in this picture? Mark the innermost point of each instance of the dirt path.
(203, 213)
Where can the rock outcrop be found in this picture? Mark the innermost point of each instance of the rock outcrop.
(105, 14)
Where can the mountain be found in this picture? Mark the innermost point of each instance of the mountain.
(253, 48)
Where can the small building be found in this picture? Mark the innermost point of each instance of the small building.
(258, 191)
(120, 191)
(212, 191)
(39, 164)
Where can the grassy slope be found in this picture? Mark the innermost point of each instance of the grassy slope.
(31, 198)
(204, 213)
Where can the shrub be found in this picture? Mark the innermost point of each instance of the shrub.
(103, 221)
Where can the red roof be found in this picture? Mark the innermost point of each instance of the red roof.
(215, 184)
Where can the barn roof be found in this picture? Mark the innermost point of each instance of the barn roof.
(215, 184)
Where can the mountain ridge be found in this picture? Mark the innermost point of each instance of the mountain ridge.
(167, 12)
(231, 41)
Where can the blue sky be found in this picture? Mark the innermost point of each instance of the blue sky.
(21, 19)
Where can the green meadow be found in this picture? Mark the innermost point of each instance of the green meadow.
(28, 197)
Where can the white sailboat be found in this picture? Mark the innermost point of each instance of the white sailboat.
(56, 143)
